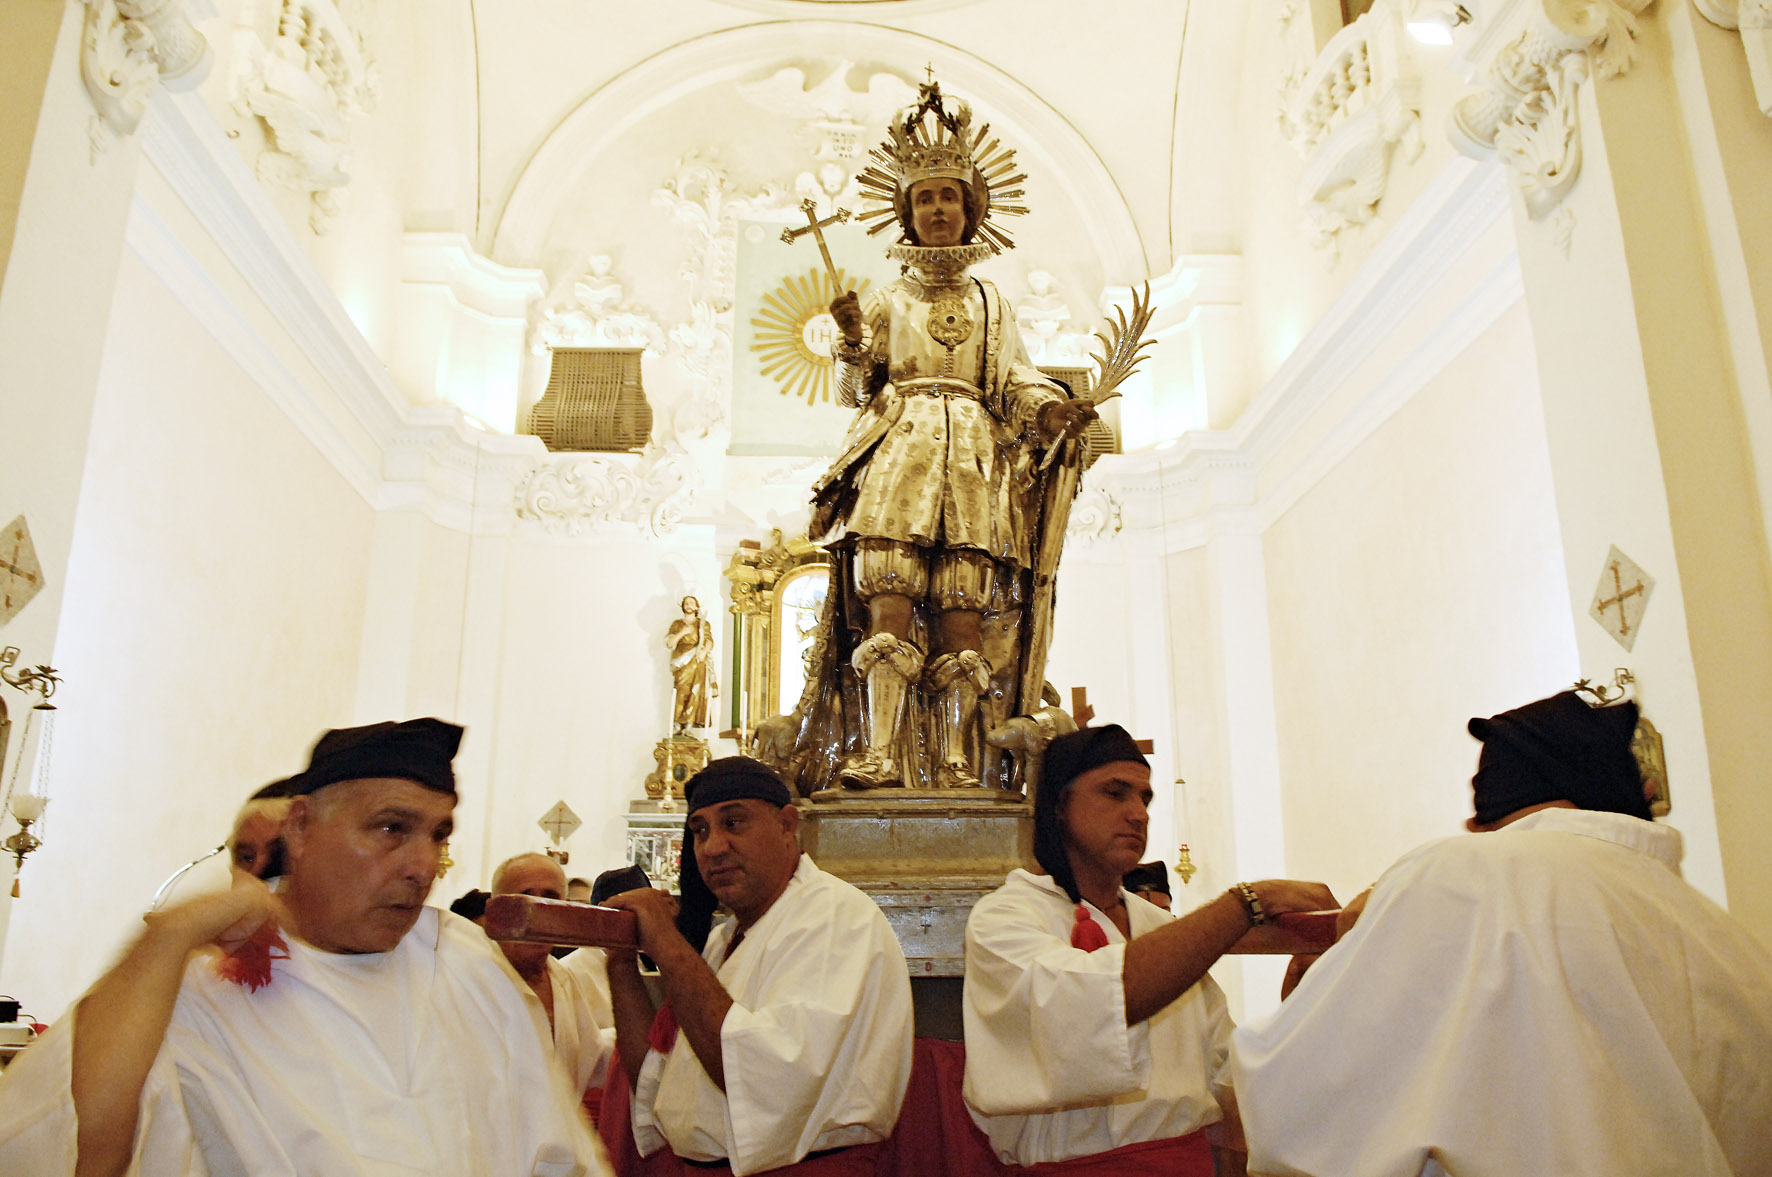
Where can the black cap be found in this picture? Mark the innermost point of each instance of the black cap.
(1148, 876)
(1068, 757)
(417, 750)
(731, 778)
(614, 882)
(277, 789)
(472, 905)
(1558, 749)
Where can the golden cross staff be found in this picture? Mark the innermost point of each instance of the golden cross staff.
(815, 227)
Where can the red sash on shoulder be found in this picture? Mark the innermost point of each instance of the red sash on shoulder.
(1180, 1156)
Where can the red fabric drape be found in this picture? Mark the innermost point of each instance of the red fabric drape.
(935, 1137)
(1184, 1156)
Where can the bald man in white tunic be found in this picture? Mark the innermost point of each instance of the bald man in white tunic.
(390, 1040)
(575, 995)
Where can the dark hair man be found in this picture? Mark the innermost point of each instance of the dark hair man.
(1095, 1041)
(1550, 997)
(785, 1044)
(381, 1035)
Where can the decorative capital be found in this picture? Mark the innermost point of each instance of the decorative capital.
(1527, 114)
(127, 48)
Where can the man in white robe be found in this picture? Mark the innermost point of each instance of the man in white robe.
(1095, 1041)
(786, 1040)
(576, 999)
(390, 1040)
(1547, 998)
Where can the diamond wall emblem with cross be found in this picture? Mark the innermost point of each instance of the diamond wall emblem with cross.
(1621, 598)
(21, 577)
(559, 822)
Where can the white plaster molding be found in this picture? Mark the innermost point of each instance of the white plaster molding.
(698, 198)
(1527, 114)
(187, 146)
(590, 308)
(301, 67)
(839, 121)
(1356, 105)
(1232, 481)
(1095, 516)
(1043, 314)
(1753, 20)
(1195, 280)
(731, 55)
(128, 48)
(473, 281)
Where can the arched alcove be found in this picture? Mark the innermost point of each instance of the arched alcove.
(1083, 191)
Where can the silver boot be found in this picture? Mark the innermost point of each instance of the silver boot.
(957, 681)
(888, 665)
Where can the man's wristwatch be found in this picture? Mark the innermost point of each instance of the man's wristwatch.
(1251, 904)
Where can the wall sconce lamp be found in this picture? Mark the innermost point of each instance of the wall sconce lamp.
(26, 807)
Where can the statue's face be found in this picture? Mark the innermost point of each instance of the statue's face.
(938, 211)
(691, 606)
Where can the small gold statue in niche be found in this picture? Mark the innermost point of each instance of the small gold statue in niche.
(691, 643)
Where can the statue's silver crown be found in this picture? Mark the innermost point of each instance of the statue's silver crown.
(931, 139)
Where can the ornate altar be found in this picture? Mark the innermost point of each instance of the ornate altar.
(778, 593)
(925, 855)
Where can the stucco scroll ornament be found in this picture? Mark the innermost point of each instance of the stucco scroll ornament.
(127, 47)
(1753, 19)
(574, 495)
(1095, 516)
(591, 308)
(1527, 115)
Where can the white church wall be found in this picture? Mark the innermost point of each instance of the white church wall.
(1294, 272)
(215, 593)
(1418, 583)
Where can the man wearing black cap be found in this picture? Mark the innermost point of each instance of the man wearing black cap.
(786, 1040)
(1150, 882)
(1095, 1041)
(1550, 997)
(348, 1029)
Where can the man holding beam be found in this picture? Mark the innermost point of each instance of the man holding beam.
(1095, 1041)
(346, 1028)
(785, 1043)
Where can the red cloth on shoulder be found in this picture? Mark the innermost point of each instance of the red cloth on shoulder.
(1086, 933)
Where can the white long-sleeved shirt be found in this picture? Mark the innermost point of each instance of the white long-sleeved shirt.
(816, 1047)
(1547, 998)
(1053, 1072)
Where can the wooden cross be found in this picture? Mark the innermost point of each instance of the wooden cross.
(1620, 595)
(815, 227)
(12, 570)
(1082, 713)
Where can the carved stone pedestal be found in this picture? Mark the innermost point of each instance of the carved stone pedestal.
(925, 856)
